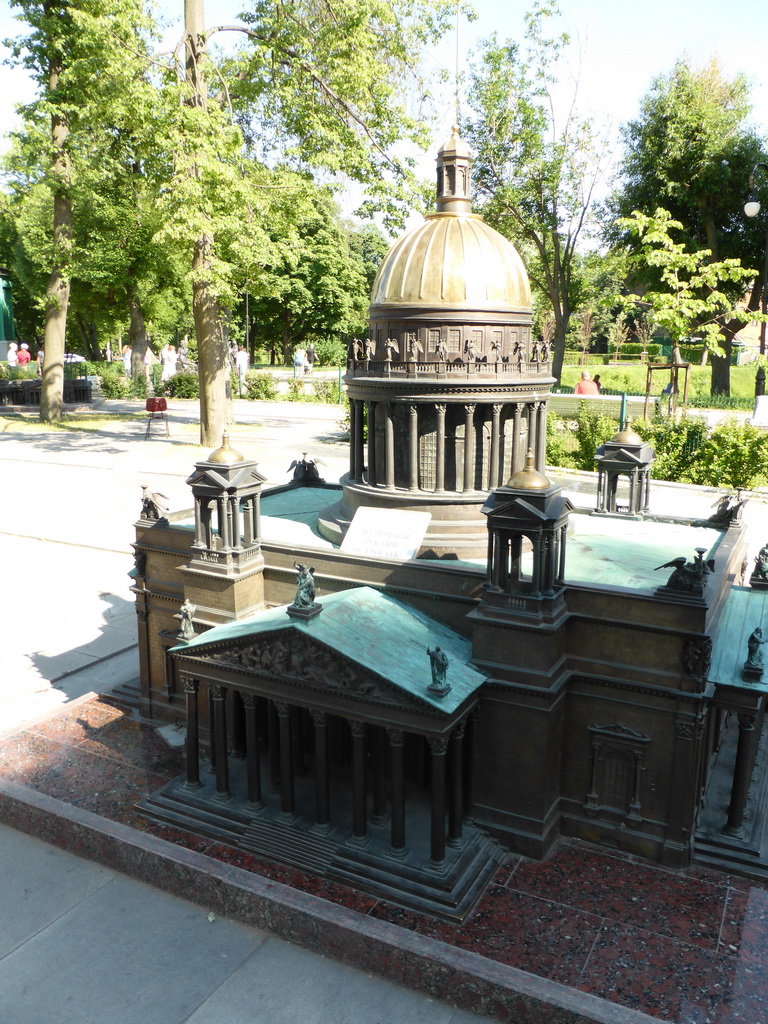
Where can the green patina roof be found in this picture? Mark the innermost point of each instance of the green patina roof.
(623, 553)
(377, 632)
(744, 609)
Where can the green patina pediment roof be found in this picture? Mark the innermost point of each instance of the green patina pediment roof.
(379, 633)
(744, 609)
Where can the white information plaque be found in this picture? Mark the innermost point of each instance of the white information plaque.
(386, 533)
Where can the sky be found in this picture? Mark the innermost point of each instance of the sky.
(617, 49)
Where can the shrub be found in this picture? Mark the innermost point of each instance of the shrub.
(592, 429)
(114, 385)
(296, 390)
(325, 391)
(558, 453)
(180, 385)
(676, 445)
(733, 455)
(260, 386)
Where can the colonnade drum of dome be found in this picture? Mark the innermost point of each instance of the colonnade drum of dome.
(448, 391)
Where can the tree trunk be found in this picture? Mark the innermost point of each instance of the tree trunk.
(721, 365)
(57, 292)
(213, 365)
(212, 362)
(137, 331)
(558, 349)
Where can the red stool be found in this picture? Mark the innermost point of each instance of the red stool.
(157, 409)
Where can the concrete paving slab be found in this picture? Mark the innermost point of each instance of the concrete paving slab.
(40, 884)
(326, 991)
(123, 954)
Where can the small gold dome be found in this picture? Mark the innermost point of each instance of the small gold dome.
(226, 453)
(627, 436)
(528, 478)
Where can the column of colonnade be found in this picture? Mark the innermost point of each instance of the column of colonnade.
(382, 447)
(449, 787)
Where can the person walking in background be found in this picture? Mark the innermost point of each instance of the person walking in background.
(311, 356)
(168, 357)
(127, 354)
(40, 361)
(12, 358)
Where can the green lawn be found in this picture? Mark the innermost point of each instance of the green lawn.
(630, 377)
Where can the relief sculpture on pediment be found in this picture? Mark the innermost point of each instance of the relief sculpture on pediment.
(299, 658)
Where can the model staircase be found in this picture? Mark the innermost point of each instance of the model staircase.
(290, 844)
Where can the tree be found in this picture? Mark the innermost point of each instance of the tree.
(691, 152)
(534, 176)
(86, 57)
(694, 294)
(313, 86)
(313, 285)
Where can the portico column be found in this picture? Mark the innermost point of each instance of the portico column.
(438, 746)
(223, 523)
(532, 431)
(237, 744)
(235, 533)
(199, 525)
(358, 439)
(456, 795)
(371, 444)
(389, 446)
(252, 752)
(353, 439)
(218, 697)
(322, 792)
(379, 744)
(742, 774)
(541, 436)
(359, 825)
(440, 448)
(191, 687)
(469, 448)
(413, 447)
(397, 828)
(516, 453)
(286, 760)
(495, 445)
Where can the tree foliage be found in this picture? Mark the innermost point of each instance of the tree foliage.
(313, 286)
(534, 172)
(693, 293)
(691, 152)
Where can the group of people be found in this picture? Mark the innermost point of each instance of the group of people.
(19, 357)
(588, 385)
(304, 359)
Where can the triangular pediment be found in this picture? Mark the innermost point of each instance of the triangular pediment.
(248, 475)
(291, 656)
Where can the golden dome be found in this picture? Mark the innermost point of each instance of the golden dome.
(226, 453)
(528, 478)
(453, 260)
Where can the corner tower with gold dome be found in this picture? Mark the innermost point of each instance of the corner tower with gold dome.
(448, 391)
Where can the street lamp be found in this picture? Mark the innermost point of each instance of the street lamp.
(752, 208)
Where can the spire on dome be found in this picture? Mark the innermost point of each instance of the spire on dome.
(454, 177)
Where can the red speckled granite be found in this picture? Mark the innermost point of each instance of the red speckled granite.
(545, 939)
